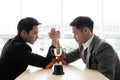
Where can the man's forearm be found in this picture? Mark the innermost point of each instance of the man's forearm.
(56, 44)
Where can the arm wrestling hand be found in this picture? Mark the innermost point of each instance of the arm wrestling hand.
(62, 59)
(54, 35)
(51, 63)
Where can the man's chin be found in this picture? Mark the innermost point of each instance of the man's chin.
(32, 43)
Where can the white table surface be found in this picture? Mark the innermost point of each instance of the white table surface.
(74, 71)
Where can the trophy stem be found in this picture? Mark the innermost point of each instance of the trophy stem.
(57, 59)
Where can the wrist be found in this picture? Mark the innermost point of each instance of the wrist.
(56, 43)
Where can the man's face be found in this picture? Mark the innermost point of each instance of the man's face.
(79, 35)
(32, 36)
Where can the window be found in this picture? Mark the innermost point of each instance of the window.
(59, 13)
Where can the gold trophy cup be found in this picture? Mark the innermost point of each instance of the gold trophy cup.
(58, 68)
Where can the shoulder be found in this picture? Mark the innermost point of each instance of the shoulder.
(104, 45)
(12, 43)
(100, 44)
(105, 50)
(19, 45)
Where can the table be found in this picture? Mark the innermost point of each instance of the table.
(72, 72)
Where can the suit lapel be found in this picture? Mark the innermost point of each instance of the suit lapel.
(82, 56)
(91, 49)
(88, 57)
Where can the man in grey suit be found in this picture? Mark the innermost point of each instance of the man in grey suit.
(99, 54)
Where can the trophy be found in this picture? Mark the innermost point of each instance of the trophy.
(58, 68)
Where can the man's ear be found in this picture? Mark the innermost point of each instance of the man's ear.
(23, 33)
(85, 29)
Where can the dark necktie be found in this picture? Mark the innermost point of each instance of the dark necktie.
(85, 53)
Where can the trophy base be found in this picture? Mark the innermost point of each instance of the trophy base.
(58, 70)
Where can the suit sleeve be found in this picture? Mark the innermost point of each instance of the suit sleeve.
(29, 58)
(73, 55)
(107, 60)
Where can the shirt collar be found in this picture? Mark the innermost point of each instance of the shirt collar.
(87, 44)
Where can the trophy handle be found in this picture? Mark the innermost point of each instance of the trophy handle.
(64, 50)
(52, 51)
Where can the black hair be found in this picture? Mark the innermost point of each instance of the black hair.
(81, 22)
(26, 24)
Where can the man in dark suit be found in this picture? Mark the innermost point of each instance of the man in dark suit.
(17, 55)
(96, 53)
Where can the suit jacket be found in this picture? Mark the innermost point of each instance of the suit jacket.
(16, 56)
(100, 56)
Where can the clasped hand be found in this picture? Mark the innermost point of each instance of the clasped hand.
(54, 60)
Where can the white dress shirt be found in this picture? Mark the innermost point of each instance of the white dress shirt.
(87, 44)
